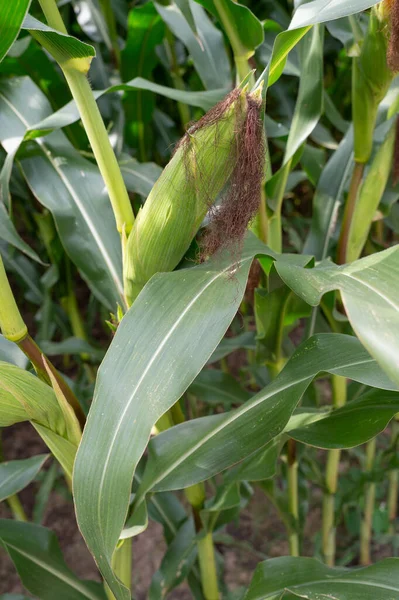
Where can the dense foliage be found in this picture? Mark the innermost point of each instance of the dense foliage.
(199, 287)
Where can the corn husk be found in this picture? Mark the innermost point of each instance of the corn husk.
(370, 82)
(177, 204)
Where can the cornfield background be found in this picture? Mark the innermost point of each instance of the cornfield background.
(199, 299)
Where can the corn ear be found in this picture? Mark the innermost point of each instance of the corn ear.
(180, 199)
(370, 196)
(370, 82)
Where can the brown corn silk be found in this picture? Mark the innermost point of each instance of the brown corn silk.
(241, 198)
(392, 7)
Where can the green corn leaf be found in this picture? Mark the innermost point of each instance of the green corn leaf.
(198, 303)
(196, 450)
(67, 50)
(320, 11)
(289, 578)
(11, 16)
(69, 113)
(40, 564)
(15, 475)
(70, 187)
(370, 290)
(371, 412)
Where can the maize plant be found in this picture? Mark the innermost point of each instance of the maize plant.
(199, 314)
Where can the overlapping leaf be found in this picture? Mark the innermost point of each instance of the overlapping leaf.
(162, 343)
(11, 16)
(70, 187)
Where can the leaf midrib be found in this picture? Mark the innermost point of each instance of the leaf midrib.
(144, 374)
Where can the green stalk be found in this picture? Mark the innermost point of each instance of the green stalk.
(393, 488)
(241, 54)
(195, 494)
(14, 329)
(207, 563)
(11, 322)
(393, 499)
(293, 500)
(367, 523)
(349, 211)
(122, 566)
(332, 468)
(16, 508)
(95, 129)
(184, 110)
(275, 235)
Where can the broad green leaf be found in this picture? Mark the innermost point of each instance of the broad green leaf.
(370, 291)
(216, 387)
(289, 578)
(264, 53)
(66, 49)
(320, 11)
(371, 413)
(206, 47)
(11, 16)
(37, 557)
(284, 43)
(70, 187)
(15, 475)
(196, 450)
(162, 343)
(248, 29)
